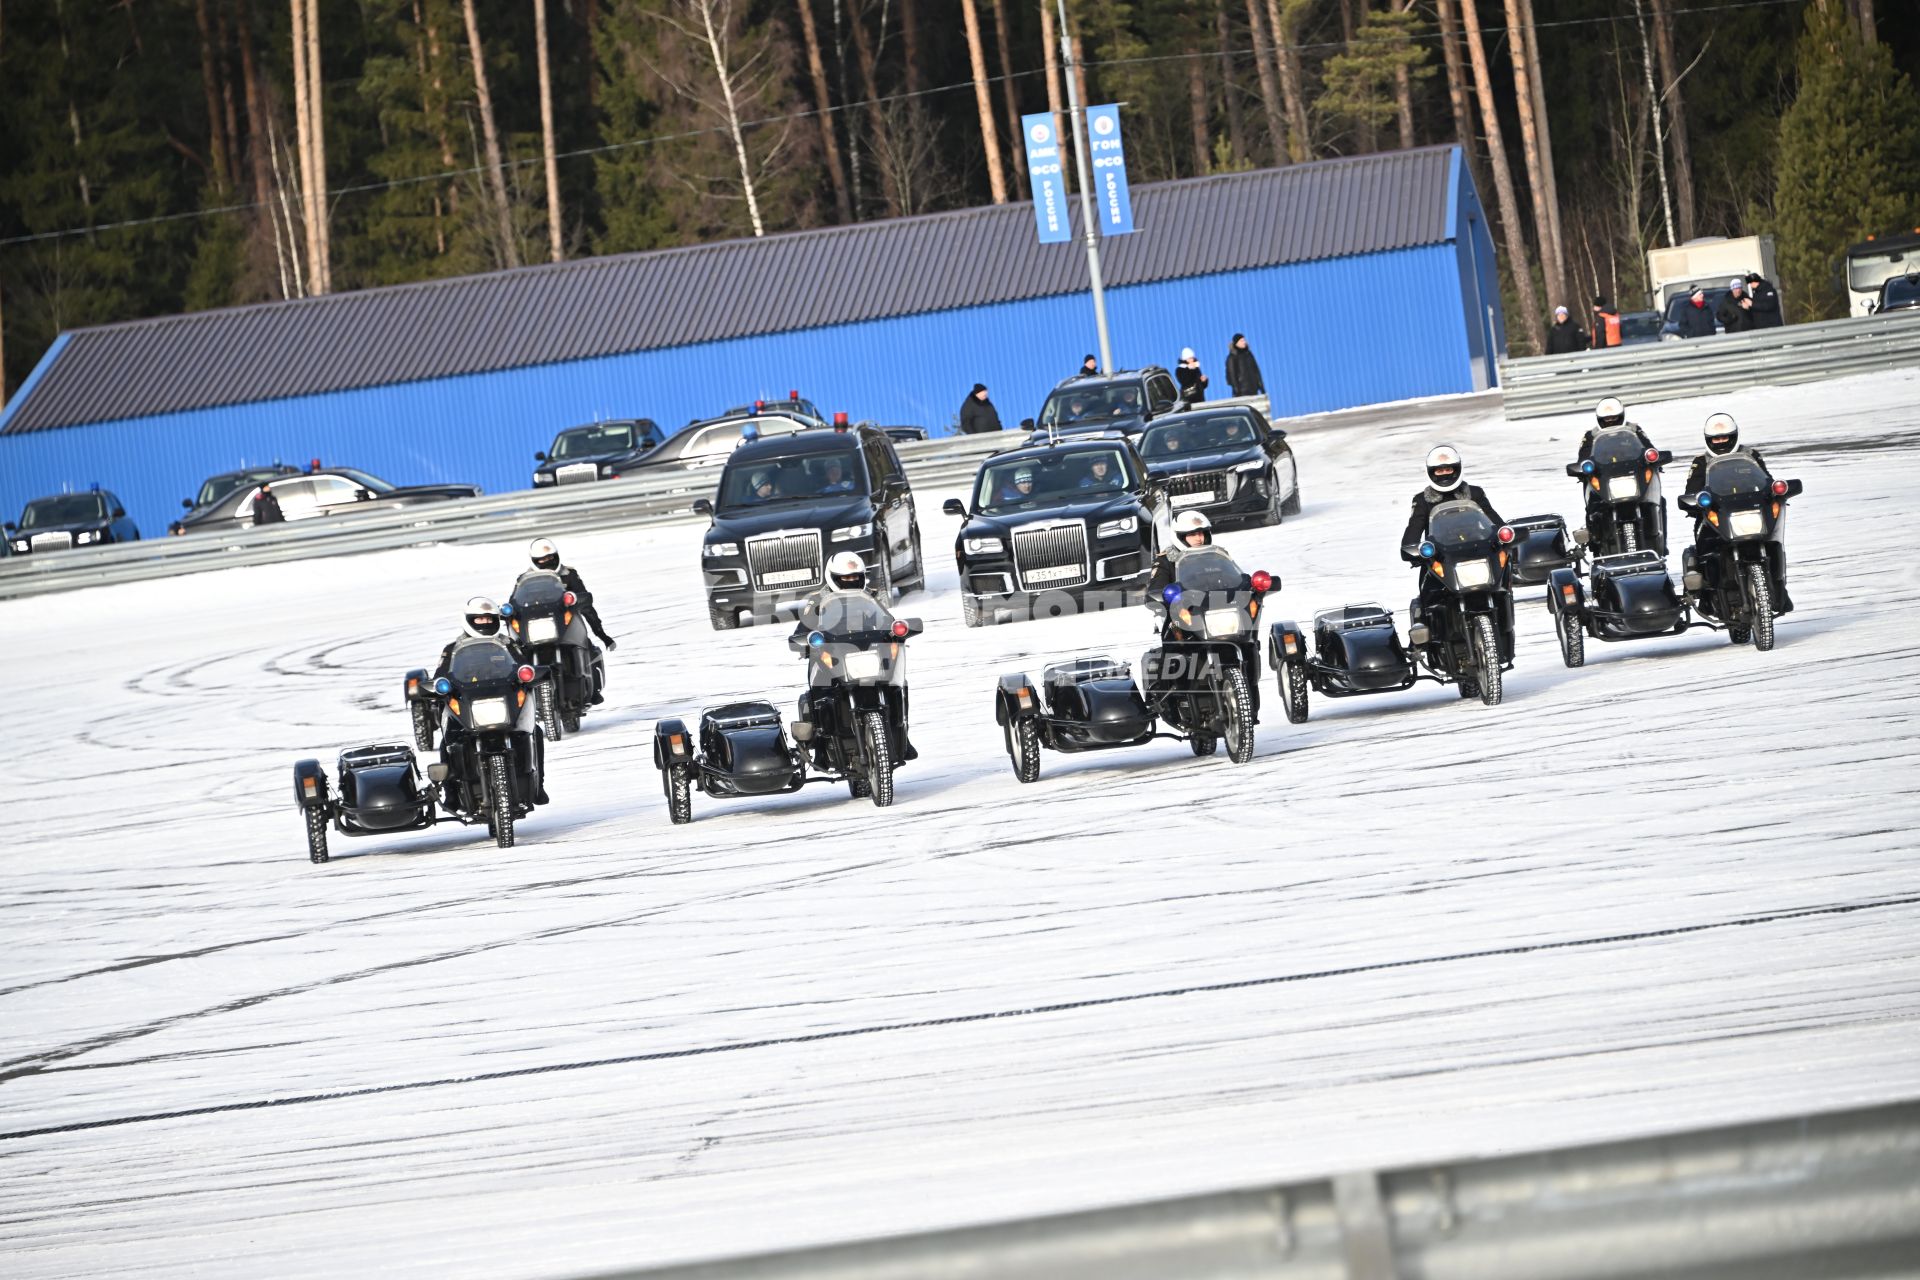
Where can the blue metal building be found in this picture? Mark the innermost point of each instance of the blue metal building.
(1356, 281)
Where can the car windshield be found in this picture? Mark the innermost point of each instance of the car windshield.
(1736, 477)
(1459, 524)
(813, 475)
(1867, 271)
(1066, 476)
(588, 442)
(1072, 405)
(1208, 569)
(1714, 298)
(538, 591)
(372, 483)
(1901, 291)
(1217, 433)
(1617, 448)
(68, 508)
(477, 661)
(1640, 324)
(220, 486)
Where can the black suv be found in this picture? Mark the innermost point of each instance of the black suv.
(1898, 293)
(1126, 398)
(1074, 518)
(1226, 461)
(599, 451)
(786, 503)
(67, 520)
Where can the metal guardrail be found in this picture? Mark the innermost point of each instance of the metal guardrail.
(1819, 1196)
(647, 497)
(1541, 385)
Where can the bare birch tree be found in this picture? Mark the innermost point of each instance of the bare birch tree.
(989, 136)
(1670, 74)
(1532, 324)
(554, 224)
(1659, 131)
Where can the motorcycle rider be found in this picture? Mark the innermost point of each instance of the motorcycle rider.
(546, 557)
(480, 624)
(1446, 482)
(1607, 415)
(1722, 436)
(1191, 531)
(843, 604)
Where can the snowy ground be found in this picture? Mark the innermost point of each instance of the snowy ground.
(1410, 930)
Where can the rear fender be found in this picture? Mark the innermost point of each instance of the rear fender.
(1015, 699)
(672, 744)
(309, 785)
(1286, 643)
(1565, 594)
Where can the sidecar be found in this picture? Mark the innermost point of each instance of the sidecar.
(1541, 544)
(741, 750)
(381, 790)
(1632, 597)
(1354, 650)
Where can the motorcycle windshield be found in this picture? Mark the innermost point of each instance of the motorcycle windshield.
(482, 662)
(842, 615)
(538, 593)
(1209, 569)
(1617, 449)
(1737, 477)
(1460, 527)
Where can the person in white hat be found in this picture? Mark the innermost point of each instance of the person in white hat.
(1193, 383)
(1565, 337)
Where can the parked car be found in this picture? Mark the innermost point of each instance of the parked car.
(598, 451)
(1639, 326)
(214, 488)
(1898, 293)
(326, 491)
(68, 520)
(708, 443)
(794, 406)
(1068, 519)
(1670, 327)
(786, 503)
(1226, 461)
(1126, 398)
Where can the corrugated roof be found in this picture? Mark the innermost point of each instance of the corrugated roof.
(799, 280)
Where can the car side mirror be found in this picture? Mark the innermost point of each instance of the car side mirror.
(119, 513)
(1573, 469)
(10, 527)
(363, 495)
(186, 504)
(540, 456)
(954, 507)
(702, 507)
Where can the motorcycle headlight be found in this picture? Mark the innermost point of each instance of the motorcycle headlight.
(1256, 464)
(1116, 528)
(543, 477)
(847, 533)
(721, 549)
(985, 547)
(1473, 573)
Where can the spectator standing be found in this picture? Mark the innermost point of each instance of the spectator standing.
(1735, 313)
(1243, 371)
(1193, 383)
(1766, 301)
(1089, 368)
(1565, 337)
(1606, 324)
(266, 508)
(977, 414)
(1695, 320)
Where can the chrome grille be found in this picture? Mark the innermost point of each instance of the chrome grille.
(1051, 547)
(785, 553)
(1218, 486)
(50, 541)
(576, 472)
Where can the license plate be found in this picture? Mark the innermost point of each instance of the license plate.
(1745, 524)
(490, 711)
(1623, 488)
(782, 576)
(1473, 573)
(1059, 573)
(1193, 499)
(577, 472)
(541, 630)
(1226, 623)
(863, 665)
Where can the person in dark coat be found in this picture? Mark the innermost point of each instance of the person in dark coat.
(1766, 302)
(1193, 383)
(1695, 320)
(1243, 371)
(1736, 309)
(1089, 368)
(266, 508)
(1565, 337)
(977, 414)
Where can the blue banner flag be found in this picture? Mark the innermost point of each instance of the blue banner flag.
(1049, 181)
(1109, 170)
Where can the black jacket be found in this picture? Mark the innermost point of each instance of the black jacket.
(1697, 473)
(1243, 372)
(978, 416)
(266, 509)
(1733, 317)
(1193, 383)
(1586, 441)
(1766, 305)
(1423, 504)
(1565, 337)
(1695, 322)
(583, 601)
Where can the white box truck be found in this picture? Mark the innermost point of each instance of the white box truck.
(1705, 263)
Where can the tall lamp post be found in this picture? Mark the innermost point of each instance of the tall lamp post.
(1077, 118)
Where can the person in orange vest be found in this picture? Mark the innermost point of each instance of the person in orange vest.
(1606, 323)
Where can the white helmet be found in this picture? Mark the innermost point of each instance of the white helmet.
(543, 553)
(1610, 412)
(1444, 468)
(1722, 433)
(482, 618)
(1192, 522)
(847, 572)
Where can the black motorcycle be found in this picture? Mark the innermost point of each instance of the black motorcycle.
(552, 634)
(1463, 618)
(492, 757)
(1620, 480)
(1203, 679)
(1736, 569)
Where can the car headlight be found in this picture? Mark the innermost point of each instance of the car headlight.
(23, 545)
(1116, 528)
(1258, 464)
(543, 477)
(90, 535)
(985, 547)
(848, 532)
(721, 549)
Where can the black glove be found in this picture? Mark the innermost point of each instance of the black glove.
(608, 641)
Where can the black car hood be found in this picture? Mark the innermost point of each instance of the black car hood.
(1188, 463)
(77, 526)
(825, 514)
(982, 524)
